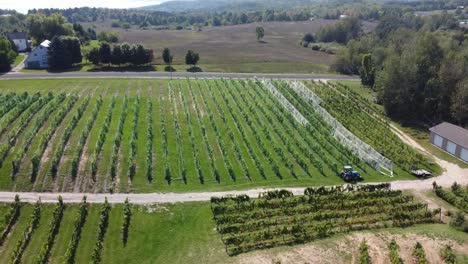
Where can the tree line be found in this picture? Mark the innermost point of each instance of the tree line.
(417, 66)
(119, 54)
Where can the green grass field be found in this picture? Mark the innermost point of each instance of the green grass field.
(18, 60)
(205, 135)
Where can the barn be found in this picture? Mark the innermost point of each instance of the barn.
(451, 138)
(20, 39)
(37, 59)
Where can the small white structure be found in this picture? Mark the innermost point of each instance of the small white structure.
(20, 39)
(37, 59)
(343, 16)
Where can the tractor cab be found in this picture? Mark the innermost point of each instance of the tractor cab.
(350, 175)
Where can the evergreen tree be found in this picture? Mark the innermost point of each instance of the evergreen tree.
(117, 55)
(105, 53)
(367, 71)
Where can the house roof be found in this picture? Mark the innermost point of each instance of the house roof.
(456, 134)
(45, 43)
(17, 35)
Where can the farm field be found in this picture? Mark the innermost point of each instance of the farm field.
(179, 233)
(280, 52)
(142, 135)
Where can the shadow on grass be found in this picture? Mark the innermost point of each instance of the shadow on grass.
(170, 69)
(195, 69)
(76, 68)
(146, 68)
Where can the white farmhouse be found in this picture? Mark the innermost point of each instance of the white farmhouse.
(20, 39)
(37, 59)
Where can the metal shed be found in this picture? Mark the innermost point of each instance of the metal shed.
(451, 138)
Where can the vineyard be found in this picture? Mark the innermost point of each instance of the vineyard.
(37, 233)
(279, 218)
(137, 135)
(369, 125)
(456, 195)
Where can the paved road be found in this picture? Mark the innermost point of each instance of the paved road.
(177, 75)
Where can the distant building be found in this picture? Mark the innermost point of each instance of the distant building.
(37, 59)
(20, 39)
(343, 16)
(451, 138)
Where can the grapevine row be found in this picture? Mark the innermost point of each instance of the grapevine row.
(77, 228)
(23, 121)
(11, 116)
(133, 140)
(101, 139)
(279, 218)
(54, 226)
(84, 137)
(209, 149)
(10, 219)
(241, 130)
(195, 151)
(167, 172)
(57, 156)
(364, 257)
(27, 235)
(179, 144)
(47, 135)
(419, 254)
(149, 140)
(102, 228)
(321, 132)
(394, 256)
(260, 141)
(233, 144)
(221, 143)
(127, 216)
(118, 140)
(30, 134)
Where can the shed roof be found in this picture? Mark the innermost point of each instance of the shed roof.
(17, 35)
(456, 134)
(46, 43)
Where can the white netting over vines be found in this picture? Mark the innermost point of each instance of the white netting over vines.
(297, 115)
(343, 135)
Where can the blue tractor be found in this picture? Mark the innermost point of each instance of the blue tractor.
(350, 175)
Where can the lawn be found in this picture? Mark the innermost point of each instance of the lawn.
(18, 60)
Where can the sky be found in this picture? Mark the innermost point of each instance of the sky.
(24, 5)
